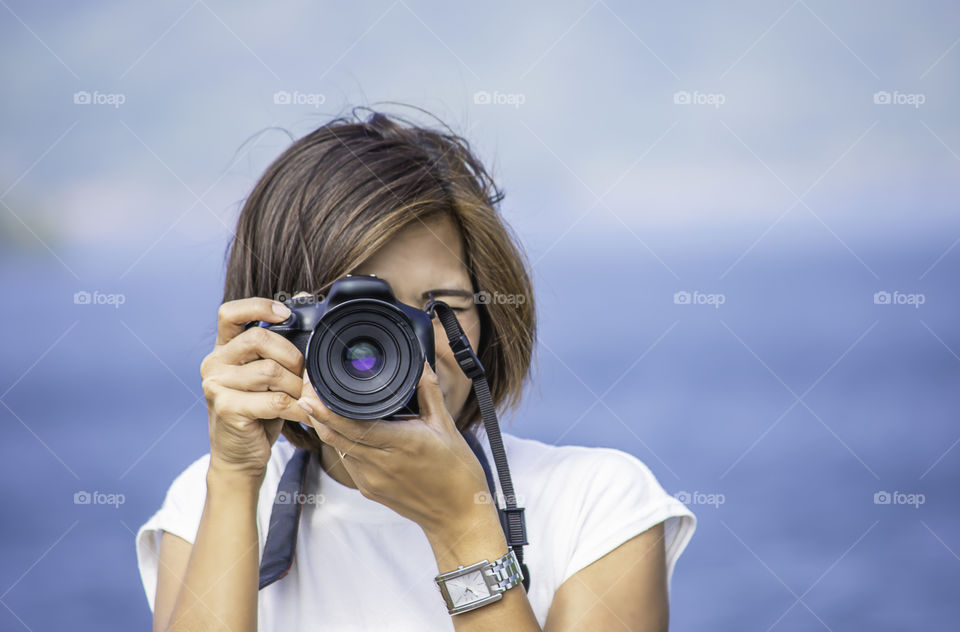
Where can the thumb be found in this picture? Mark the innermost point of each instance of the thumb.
(430, 397)
(273, 428)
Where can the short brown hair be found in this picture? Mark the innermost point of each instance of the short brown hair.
(344, 190)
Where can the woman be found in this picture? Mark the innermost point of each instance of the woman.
(388, 506)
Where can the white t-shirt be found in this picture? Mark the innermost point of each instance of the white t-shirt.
(361, 566)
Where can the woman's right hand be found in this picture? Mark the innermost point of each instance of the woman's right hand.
(252, 380)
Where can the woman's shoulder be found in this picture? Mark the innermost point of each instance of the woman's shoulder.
(588, 500)
(186, 494)
(535, 459)
(192, 479)
(182, 507)
(581, 475)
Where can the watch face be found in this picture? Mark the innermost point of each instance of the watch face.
(467, 588)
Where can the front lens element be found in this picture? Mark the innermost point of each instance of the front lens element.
(363, 359)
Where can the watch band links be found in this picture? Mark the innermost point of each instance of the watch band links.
(506, 571)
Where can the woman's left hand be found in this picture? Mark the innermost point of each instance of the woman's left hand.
(422, 468)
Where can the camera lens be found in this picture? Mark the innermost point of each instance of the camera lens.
(363, 358)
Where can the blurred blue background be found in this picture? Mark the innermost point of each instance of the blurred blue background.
(779, 162)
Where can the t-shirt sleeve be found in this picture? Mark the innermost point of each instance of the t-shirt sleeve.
(621, 498)
(179, 514)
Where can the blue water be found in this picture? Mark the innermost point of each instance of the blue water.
(107, 399)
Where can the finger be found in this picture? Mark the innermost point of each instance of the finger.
(258, 342)
(234, 315)
(264, 374)
(366, 432)
(335, 439)
(376, 433)
(273, 428)
(430, 398)
(230, 403)
(306, 388)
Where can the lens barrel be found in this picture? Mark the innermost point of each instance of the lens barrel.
(364, 359)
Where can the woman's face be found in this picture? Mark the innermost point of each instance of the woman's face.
(426, 258)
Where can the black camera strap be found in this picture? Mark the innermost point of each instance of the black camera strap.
(281, 545)
(511, 517)
(281, 542)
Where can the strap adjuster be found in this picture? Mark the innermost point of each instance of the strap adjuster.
(514, 526)
(466, 357)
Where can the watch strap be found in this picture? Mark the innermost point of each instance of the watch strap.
(506, 571)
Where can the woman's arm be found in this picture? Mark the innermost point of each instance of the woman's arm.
(626, 589)
(251, 381)
(213, 584)
(174, 555)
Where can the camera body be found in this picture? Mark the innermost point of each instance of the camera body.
(363, 349)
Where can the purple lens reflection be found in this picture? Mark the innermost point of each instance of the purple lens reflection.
(363, 359)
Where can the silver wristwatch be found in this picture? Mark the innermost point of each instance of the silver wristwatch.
(476, 585)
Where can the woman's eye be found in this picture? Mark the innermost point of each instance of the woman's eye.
(456, 309)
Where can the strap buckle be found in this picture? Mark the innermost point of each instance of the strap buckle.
(459, 343)
(514, 526)
(466, 357)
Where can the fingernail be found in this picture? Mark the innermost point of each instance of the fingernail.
(280, 309)
(304, 405)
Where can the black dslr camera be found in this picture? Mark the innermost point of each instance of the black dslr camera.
(363, 349)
